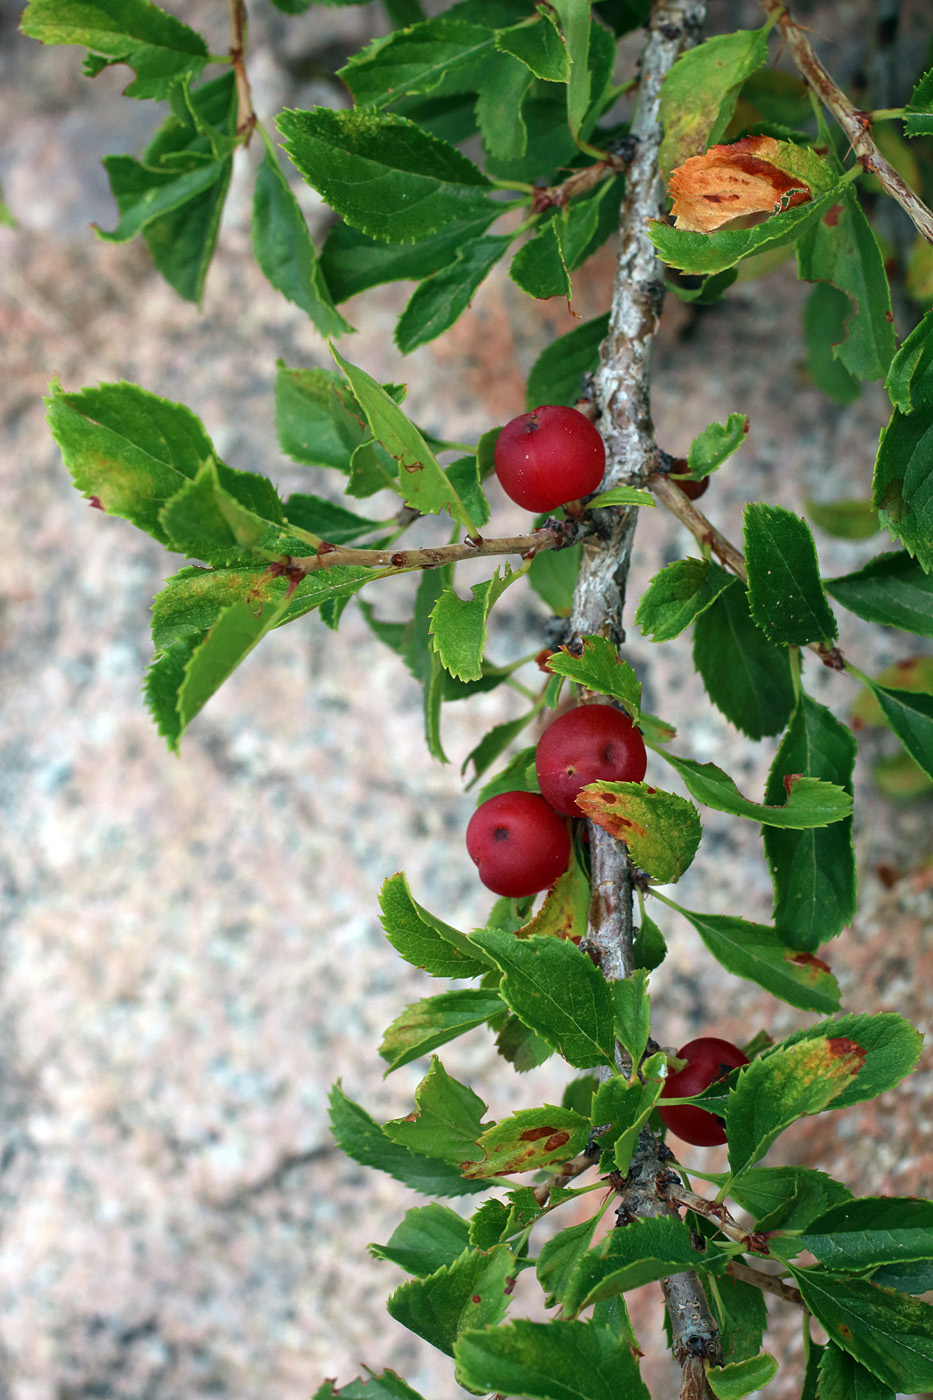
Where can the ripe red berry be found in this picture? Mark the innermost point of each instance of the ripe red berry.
(519, 844)
(593, 743)
(709, 1059)
(548, 457)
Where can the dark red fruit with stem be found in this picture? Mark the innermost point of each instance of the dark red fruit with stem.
(518, 843)
(708, 1060)
(548, 457)
(593, 743)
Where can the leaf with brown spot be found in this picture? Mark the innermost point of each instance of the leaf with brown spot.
(662, 831)
(737, 186)
(783, 1085)
(566, 906)
(531, 1139)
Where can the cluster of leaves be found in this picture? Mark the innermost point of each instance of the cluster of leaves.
(538, 90)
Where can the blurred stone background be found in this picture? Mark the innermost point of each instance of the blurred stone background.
(191, 953)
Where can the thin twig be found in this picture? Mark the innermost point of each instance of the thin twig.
(552, 535)
(746, 1274)
(680, 1196)
(246, 117)
(855, 124)
(707, 536)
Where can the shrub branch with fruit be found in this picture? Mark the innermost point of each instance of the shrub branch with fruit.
(572, 145)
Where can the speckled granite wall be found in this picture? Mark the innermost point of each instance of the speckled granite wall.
(191, 953)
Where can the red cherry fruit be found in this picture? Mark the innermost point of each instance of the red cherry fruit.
(593, 743)
(518, 843)
(708, 1060)
(548, 457)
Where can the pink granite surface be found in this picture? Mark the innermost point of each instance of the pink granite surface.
(191, 951)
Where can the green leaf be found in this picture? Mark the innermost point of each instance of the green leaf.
(903, 482)
(890, 1335)
(813, 872)
(438, 301)
(427, 1239)
(326, 519)
(600, 668)
(383, 174)
(494, 743)
(910, 715)
(786, 1198)
(810, 802)
(557, 372)
(784, 588)
(458, 625)
(422, 480)
(556, 991)
(530, 1140)
(550, 1361)
(746, 676)
(677, 596)
(284, 249)
(919, 121)
(233, 636)
(740, 1311)
(843, 1378)
(206, 520)
(857, 1236)
(161, 687)
(699, 94)
(590, 220)
(157, 46)
(650, 949)
(539, 46)
(847, 520)
(553, 576)
(520, 1047)
(715, 445)
(471, 1292)
(387, 1385)
(560, 1257)
(448, 1121)
(906, 1278)
(635, 1254)
(632, 1009)
(844, 251)
(352, 262)
(445, 53)
(422, 939)
(627, 1107)
(199, 134)
(146, 196)
(194, 598)
(574, 16)
(433, 1021)
(539, 267)
(740, 1378)
(890, 1044)
(781, 1086)
(519, 774)
(824, 329)
(502, 91)
(361, 1138)
(892, 589)
(128, 448)
(661, 830)
(704, 253)
(622, 496)
(760, 954)
(313, 424)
